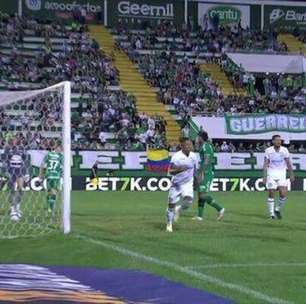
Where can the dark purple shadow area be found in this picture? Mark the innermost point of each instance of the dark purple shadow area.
(139, 287)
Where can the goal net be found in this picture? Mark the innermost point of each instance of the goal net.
(35, 161)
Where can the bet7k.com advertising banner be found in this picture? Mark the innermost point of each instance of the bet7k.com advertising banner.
(163, 184)
(142, 183)
(125, 171)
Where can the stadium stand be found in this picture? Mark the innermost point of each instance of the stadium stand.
(119, 78)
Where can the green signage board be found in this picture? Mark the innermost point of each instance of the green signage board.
(92, 10)
(262, 123)
(226, 14)
(140, 13)
(9, 7)
(285, 17)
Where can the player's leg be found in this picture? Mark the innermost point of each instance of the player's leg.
(283, 190)
(19, 192)
(187, 199)
(15, 185)
(205, 198)
(173, 198)
(271, 187)
(52, 187)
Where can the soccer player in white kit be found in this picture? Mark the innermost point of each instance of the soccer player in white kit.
(182, 168)
(276, 163)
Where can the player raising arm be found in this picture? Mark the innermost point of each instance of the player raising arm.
(276, 163)
(205, 177)
(51, 169)
(182, 168)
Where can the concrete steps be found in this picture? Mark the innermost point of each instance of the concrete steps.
(131, 81)
(220, 77)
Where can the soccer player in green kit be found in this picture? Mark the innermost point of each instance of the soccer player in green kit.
(205, 177)
(51, 168)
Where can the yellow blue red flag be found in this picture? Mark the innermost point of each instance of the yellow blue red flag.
(158, 160)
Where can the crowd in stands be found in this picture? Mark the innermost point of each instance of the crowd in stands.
(210, 39)
(256, 146)
(76, 58)
(106, 118)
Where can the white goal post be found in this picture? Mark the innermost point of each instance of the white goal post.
(35, 127)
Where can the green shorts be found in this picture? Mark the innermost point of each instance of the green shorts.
(204, 186)
(53, 184)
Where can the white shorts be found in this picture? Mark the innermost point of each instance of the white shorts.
(273, 183)
(181, 191)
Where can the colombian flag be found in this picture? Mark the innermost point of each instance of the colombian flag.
(158, 160)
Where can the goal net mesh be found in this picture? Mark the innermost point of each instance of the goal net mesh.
(31, 128)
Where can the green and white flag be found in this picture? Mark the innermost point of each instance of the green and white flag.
(262, 123)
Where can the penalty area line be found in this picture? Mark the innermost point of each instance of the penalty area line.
(247, 265)
(185, 270)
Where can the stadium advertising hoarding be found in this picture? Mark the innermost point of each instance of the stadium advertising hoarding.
(136, 13)
(226, 13)
(126, 163)
(125, 171)
(245, 184)
(255, 126)
(64, 9)
(285, 17)
(250, 124)
(160, 183)
(9, 7)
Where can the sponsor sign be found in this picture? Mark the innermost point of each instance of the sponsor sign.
(257, 126)
(135, 12)
(250, 124)
(227, 14)
(64, 9)
(152, 184)
(123, 163)
(8, 7)
(243, 184)
(57, 285)
(285, 17)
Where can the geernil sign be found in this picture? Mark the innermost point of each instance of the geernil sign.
(63, 9)
(134, 13)
(251, 124)
(285, 17)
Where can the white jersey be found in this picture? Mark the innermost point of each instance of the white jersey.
(190, 162)
(277, 162)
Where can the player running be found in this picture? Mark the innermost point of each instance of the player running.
(52, 168)
(276, 163)
(17, 162)
(205, 177)
(182, 168)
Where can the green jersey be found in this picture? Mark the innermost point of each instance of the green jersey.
(54, 164)
(207, 150)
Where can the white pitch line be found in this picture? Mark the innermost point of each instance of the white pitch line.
(251, 265)
(192, 273)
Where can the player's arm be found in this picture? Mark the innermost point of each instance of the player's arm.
(93, 172)
(42, 168)
(173, 169)
(290, 169)
(265, 170)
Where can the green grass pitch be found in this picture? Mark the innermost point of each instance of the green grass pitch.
(264, 260)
